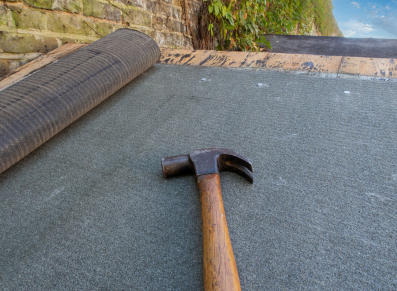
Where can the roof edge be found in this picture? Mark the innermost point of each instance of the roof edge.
(337, 66)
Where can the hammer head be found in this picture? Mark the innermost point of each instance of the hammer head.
(207, 161)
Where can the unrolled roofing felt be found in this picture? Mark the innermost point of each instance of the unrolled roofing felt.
(41, 105)
(91, 210)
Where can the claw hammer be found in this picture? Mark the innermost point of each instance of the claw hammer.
(220, 270)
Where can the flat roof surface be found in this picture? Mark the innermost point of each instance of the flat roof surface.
(91, 210)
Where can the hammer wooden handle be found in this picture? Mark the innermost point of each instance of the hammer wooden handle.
(220, 270)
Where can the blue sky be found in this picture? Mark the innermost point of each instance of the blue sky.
(377, 19)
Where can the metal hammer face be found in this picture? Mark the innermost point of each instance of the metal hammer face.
(207, 161)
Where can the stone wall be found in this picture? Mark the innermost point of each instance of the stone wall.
(29, 28)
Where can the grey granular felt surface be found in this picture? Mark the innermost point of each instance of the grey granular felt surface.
(90, 210)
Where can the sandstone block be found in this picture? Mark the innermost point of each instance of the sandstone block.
(4, 67)
(56, 22)
(28, 18)
(160, 23)
(46, 4)
(22, 43)
(177, 3)
(187, 43)
(177, 13)
(166, 10)
(174, 25)
(169, 40)
(162, 9)
(138, 3)
(101, 10)
(72, 6)
(105, 28)
(132, 16)
(69, 23)
(17, 63)
(7, 66)
(3, 16)
(153, 6)
(150, 33)
(64, 40)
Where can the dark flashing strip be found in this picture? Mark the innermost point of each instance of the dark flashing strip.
(333, 46)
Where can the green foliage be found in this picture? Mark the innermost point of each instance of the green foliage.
(241, 24)
(324, 18)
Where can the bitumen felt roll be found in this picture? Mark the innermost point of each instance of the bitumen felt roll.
(36, 108)
(91, 210)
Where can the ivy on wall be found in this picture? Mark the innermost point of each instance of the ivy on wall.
(241, 24)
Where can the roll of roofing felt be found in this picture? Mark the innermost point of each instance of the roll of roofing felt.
(36, 108)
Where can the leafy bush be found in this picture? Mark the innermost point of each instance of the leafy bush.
(241, 25)
(324, 18)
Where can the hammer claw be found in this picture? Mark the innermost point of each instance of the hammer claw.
(238, 169)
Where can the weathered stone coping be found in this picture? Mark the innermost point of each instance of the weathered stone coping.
(39, 62)
(333, 66)
(338, 66)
